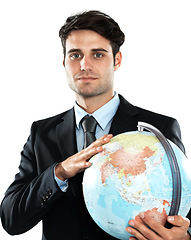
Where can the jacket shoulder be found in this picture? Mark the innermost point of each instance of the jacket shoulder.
(54, 120)
(154, 115)
(135, 111)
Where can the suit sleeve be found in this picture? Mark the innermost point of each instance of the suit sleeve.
(31, 195)
(173, 133)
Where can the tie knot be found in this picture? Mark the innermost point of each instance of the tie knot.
(89, 124)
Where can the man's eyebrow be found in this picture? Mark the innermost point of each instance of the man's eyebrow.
(74, 50)
(99, 50)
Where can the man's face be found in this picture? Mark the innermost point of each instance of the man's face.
(89, 63)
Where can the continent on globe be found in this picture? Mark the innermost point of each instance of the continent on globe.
(155, 214)
(127, 163)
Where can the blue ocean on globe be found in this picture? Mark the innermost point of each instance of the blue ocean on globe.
(130, 176)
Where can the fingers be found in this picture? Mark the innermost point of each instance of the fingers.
(179, 221)
(140, 230)
(157, 231)
(152, 223)
(101, 141)
(95, 147)
(79, 162)
(82, 158)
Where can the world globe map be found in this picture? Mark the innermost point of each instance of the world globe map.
(130, 176)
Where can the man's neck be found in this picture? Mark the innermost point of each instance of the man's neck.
(91, 104)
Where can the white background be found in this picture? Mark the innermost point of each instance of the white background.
(155, 73)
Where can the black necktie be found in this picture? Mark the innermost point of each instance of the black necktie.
(89, 126)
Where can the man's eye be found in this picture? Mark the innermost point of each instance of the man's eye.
(98, 55)
(75, 56)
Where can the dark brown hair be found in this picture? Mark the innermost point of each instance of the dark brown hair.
(95, 21)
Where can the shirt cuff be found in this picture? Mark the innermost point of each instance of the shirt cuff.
(63, 185)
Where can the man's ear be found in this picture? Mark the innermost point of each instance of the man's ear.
(118, 59)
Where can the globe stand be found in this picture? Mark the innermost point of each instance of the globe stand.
(176, 178)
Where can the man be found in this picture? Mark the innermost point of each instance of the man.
(48, 186)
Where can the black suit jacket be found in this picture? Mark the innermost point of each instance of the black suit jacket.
(35, 196)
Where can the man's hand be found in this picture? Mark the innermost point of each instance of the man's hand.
(79, 162)
(157, 231)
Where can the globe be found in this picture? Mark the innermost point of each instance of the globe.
(132, 175)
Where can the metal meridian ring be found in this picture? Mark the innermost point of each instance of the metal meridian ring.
(176, 178)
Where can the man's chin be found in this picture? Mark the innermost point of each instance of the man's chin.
(88, 94)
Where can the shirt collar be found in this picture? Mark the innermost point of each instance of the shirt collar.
(103, 115)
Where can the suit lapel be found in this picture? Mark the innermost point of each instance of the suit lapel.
(66, 139)
(125, 118)
(66, 135)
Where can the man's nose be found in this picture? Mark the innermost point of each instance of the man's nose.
(86, 64)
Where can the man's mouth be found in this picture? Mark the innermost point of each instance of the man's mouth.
(87, 78)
